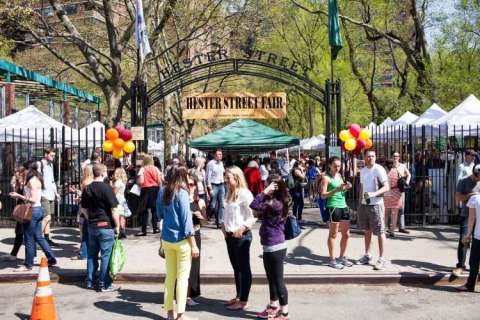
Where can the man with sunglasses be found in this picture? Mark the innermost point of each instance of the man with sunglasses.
(466, 188)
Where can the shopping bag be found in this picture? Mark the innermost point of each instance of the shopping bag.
(117, 259)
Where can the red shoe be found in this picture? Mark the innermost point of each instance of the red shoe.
(281, 316)
(237, 306)
(231, 301)
(268, 313)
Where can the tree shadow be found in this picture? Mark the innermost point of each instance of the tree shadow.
(422, 265)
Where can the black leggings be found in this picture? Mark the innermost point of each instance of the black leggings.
(18, 239)
(148, 200)
(273, 263)
(239, 254)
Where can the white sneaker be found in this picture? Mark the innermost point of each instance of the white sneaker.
(192, 303)
(380, 264)
(365, 260)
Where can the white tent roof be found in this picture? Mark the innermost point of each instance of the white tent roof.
(29, 123)
(465, 114)
(95, 129)
(431, 114)
(387, 122)
(371, 126)
(406, 119)
(313, 143)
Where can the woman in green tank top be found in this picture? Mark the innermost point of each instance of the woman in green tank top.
(333, 189)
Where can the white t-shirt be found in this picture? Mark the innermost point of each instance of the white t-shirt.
(474, 202)
(238, 213)
(464, 170)
(370, 178)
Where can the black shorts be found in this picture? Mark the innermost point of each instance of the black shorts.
(338, 214)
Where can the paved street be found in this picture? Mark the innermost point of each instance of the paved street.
(306, 302)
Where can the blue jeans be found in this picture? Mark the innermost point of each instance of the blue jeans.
(83, 254)
(216, 203)
(32, 233)
(99, 241)
(298, 204)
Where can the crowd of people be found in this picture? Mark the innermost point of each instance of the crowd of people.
(233, 196)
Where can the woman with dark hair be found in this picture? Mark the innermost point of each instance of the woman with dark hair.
(296, 189)
(393, 198)
(178, 241)
(33, 228)
(272, 207)
(333, 189)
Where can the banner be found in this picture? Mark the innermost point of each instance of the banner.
(217, 105)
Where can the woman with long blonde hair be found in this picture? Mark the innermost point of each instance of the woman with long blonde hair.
(119, 183)
(237, 221)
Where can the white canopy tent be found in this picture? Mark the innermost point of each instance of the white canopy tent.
(467, 113)
(387, 122)
(30, 124)
(372, 126)
(406, 119)
(92, 135)
(431, 114)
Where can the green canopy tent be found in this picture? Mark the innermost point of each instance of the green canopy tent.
(245, 136)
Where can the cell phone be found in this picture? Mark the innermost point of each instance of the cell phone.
(366, 197)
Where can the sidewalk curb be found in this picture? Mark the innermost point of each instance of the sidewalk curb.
(430, 278)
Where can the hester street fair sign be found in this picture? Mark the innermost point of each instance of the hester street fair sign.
(216, 105)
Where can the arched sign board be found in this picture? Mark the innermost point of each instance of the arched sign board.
(217, 105)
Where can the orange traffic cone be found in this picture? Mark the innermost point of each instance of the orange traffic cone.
(43, 307)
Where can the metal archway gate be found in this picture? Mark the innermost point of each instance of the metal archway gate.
(329, 95)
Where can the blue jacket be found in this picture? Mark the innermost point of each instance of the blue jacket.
(177, 219)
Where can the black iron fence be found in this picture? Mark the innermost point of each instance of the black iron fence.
(72, 148)
(432, 155)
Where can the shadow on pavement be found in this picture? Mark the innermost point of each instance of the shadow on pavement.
(303, 256)
(422, 265)
(132, 309)
(22, 316)
(215, 306)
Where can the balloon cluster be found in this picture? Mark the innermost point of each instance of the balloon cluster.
(118, 141)
(355, 139)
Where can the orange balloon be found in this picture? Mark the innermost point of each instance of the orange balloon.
(112, 134)
(117, 154)
(118, 143)
(368, 144)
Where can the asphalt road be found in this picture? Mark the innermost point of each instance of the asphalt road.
(139, 301)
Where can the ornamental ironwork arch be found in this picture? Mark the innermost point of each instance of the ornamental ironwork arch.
(232, 67)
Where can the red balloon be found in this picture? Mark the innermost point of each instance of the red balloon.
(361, 144)
(126, 135)
(355, 130)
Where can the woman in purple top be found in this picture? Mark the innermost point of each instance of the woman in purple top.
(271, 206)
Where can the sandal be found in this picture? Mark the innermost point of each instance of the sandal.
(77, 258)
(231, 301)
(464, 288)
(237, 306)
(22, 269)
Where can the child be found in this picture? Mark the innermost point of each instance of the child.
(119, 183)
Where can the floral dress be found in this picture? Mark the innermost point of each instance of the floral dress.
(393, 198)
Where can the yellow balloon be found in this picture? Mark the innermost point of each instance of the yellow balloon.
(365, 134)
(129, 147)
(350, 144)
(107, 146)
(117, 153)
(344, 135)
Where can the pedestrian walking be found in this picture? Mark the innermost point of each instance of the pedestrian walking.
(466, 188)
(100, 203)
(198, 173)
(33, 229)
(265, 171)
(392, 199)
(49, 192)
(198, 209)
(17, 184)
(332, 189)
(119, 184)
(178, 241)
(371, 211)
(87, 178)
(473, 236)
(236, 228)
(216, 187)
(296, 184)
(272, 207)
(404, 173)
(150, 179)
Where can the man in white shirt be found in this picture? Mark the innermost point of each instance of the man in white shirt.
(371, 211)
(49, 193)
(404, 172)
(216, 187)
(465, 168)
